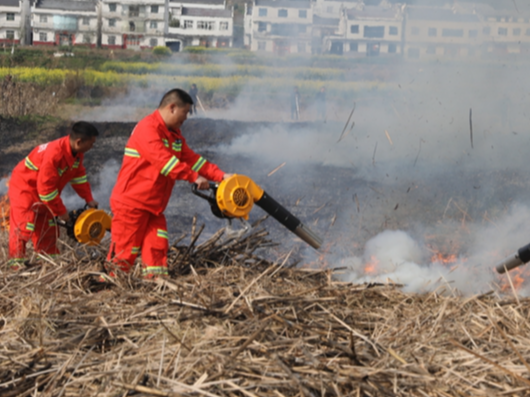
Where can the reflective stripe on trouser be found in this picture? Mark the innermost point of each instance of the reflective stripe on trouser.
(28, 222)
(134, 230)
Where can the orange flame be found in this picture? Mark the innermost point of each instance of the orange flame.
(4, 211)
(371, 266)
(445, 259)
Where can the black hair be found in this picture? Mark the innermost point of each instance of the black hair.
(177, 96)
(84, 131)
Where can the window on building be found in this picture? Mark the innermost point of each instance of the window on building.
(262, 45)
(112, 40)
(415, 31)
(43, 36)
(132, 26)
(87, 39)
(112, 22)
(153, 25)
(393, 30)
(282, 13)
(153, 42)
(413, 53)
(112, 8)
(503, 31)
(302, 14)
(262, 12)
(486, 30)
(85, 21)
(392, 48)
(134, 11)
(223, 25)
(154, 10)
(374, 31)
(10, 16)
(188, 24)
(205, 25)
(354, 47)
(43, 18)
(431, 50)
(453, 32)
(302, 28)
(432, 32)
(262, 26)
(10, 34)
(517, 32)
(354, 29)
(473, 33)
(301, 47)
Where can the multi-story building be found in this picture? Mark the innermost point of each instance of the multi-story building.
(281, 27)
(133, 23)
(65, 22)
(12, 21)
(505, 32)
(367, 31)
(442, 32)
(207, 23)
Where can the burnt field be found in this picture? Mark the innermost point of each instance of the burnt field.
(377, 311)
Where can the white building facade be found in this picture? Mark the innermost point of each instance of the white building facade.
(11, 21)
(281, 27)
(206, 23)
(132, 23)
(65, 22)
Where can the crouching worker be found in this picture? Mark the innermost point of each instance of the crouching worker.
(156, 156)
(35, 191)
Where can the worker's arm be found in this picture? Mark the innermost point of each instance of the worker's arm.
(200, 165)
(80, 182)
(48, 183)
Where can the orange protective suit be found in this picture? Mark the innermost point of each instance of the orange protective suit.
(154, 159)
(35, 196)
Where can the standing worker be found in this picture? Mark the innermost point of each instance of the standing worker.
(320, 103)
(156, 156)
(295, 104)
(194, 92)
(35, 191)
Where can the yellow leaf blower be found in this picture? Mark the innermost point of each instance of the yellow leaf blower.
(234, 197)
(87, 225)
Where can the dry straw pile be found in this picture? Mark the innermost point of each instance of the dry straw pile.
(228, 323)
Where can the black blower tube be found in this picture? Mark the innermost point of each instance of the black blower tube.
(291, 222)
(521, 257)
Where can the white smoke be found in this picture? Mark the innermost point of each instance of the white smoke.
(396, 257)
(3, 186)
(100, 190)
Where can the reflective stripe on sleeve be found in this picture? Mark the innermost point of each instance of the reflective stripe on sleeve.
(30, 226)
(132, 152)
(61, 171)
(166, 142)
(51, 223)
(30, 165)
(49, 197)
(135, 250)
(173, 161)
(177, 146)
(76, 164)
(198, 165)
(162, 233)
(79, 180)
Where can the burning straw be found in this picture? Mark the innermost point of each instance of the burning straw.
(230, 323)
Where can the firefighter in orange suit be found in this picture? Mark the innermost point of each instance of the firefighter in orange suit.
(35, 191)
(156, 156)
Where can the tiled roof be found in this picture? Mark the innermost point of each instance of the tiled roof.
(9, 3)
(206, 12)
(283, 3)
(67, 5)
(440, 14)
